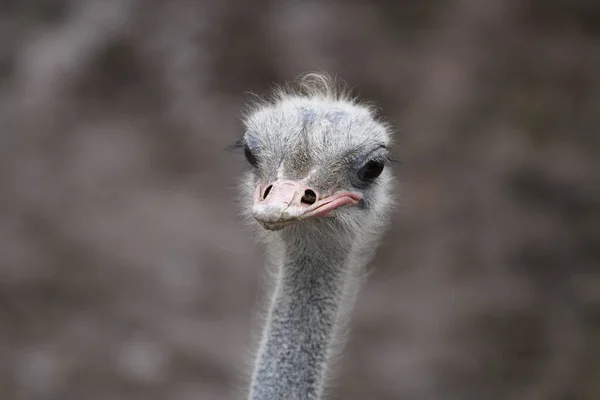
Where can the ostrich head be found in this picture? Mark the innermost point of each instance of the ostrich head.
(318, 162)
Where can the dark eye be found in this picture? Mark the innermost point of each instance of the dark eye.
(250, 157)
(370, 171)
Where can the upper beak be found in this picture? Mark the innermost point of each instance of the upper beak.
(285, 201)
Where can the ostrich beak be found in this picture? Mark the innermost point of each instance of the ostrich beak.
(283, 202)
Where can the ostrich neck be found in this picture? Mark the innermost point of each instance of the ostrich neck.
(296, 343)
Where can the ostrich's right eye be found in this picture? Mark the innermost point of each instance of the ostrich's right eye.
(252, 160)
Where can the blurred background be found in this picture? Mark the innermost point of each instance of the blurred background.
(126, 272)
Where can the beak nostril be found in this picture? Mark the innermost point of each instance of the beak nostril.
(267, 191)
(310, 197)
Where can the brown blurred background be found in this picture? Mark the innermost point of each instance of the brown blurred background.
(126, 273)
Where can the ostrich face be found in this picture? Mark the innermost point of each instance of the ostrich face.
(315, 161)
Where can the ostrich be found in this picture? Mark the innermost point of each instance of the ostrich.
(318, 191)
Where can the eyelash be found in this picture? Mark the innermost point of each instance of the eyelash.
(238, 144)
(386, 159)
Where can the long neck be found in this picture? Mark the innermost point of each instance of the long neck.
(296, 344)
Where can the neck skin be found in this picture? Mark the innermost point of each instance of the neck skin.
(296, 344)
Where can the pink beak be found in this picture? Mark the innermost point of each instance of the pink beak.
(284, 201)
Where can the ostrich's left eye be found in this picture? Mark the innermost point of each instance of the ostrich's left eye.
(370, 171)
(252, 160)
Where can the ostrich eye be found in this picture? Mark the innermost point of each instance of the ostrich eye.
(370, 171)
(252, 160)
